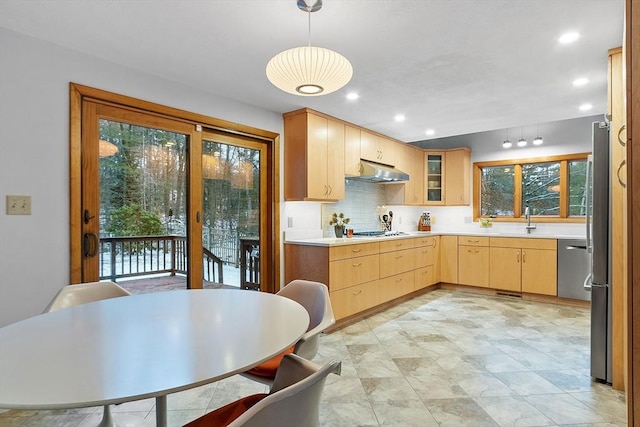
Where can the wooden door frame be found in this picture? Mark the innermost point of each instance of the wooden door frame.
(79, 93)
(632, 53)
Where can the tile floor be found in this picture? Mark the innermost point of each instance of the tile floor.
(446, 358)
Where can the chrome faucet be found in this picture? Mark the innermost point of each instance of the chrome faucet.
(527, 215)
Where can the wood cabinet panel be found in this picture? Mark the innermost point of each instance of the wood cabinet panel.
(457, 184)
(377, 148)
(449, 259)
(353, 271)
(424, 277)
(396, 245)
(505, 269)
(335, 160)
(423, 256)
(354, 299)
(473, 266)
(539, 269)
(350, 251)
(351, 151)
(396, 286)
(436, 260)
(392, 263)
(425, 241)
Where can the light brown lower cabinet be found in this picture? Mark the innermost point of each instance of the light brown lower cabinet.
(523, 265)
(473, 261)
(449, 259)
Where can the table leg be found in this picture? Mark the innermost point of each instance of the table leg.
(161, 411)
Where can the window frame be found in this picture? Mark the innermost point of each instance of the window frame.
(517, 197)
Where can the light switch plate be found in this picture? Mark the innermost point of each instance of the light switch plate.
(18, 205)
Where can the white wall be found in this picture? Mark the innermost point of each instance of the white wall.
(34, 140)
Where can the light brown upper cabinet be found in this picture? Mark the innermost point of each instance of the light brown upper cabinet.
(410, 160)
(351, 150)
(377, 148)
(447, 177)
(314, 156)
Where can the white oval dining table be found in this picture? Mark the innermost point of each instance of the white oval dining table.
(142, 346)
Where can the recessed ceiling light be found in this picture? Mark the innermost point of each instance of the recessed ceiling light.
(399, 118)
(569, 38)
(430, 132)
(580, 81)
(586, 107)
(352, 96)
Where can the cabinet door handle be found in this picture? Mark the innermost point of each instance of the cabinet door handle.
(620, 140)
(355, 251)
(330, 190)
(622, 184)
(523, 257)
(326, 190)
(518, 256)
(356, 264)
(356, 292)
(435, 243)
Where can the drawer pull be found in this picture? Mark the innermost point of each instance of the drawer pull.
(473, 241)
(398, 256)
(355, 251)
(473, 251)
(398, 245)
(356, 292)
(426, 251)
(399, 280)
(356, 264)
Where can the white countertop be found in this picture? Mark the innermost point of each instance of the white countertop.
(333, 241)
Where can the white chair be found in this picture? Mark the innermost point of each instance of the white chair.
(314, 297)
(83, 293)
(294, 399)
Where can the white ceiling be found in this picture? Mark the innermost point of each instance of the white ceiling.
(456, 66)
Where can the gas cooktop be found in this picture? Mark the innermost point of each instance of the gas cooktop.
(378, 233)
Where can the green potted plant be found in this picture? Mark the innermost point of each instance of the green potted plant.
(338, 220)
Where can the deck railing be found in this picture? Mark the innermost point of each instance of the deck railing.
(144, 255)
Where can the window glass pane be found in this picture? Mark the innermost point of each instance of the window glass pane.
(541, 188)
(577, 188)
(497, 190)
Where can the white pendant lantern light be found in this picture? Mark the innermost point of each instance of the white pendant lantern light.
(309, 70)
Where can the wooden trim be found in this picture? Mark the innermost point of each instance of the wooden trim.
(546, 159)
(564, 189)
(274, 284)
(477, 179)
(517, 189)
(103, 96)
(632, 53)
(75, 184)
(194, 209)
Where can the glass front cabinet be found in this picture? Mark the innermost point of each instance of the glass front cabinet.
(434, 179)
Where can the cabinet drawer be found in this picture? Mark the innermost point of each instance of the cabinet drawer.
(396, 245)
(355, 299)
(425, 241)
(473, 240)
(392, 263)
(350, 251)
(424, 277)
(353, 271)
(396, 286)
(423, 256)
(517, 242)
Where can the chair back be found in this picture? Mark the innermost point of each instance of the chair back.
(82, 293)
(294, 399)
(314, 297)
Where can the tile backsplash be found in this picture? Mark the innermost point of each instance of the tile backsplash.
(359, 205)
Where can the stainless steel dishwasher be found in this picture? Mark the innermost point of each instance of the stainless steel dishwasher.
(574, 264)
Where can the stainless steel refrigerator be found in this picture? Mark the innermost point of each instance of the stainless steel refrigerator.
(598, 220)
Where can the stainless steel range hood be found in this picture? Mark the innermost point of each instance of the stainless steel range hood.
(376, 172)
